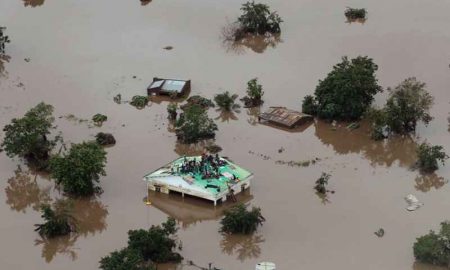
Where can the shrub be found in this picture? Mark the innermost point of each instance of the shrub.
(434, 248)
(79, 170)
(240, 220)
(347, 91)
(58, 220)
(194, 125)
(172, 110)
(125, 259)
(105, 139)
(27, 137)
(309, 105)
(254, 94)
(3, 40)
(429, 156)
(225, 101)
(99, 118)
(139, 101)
(321, 183)
(353, 14)
(258, 19)
(198, 100)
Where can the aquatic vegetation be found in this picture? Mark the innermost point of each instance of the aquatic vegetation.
(346, 92)
(105, 139)
(194, 125)
(3, 40)
(79, 170)
(226, 101)
(239, 220)
(27, 137)
(139, 101)
(433, 248)
(58, 220)
(429, 156)
(354, 14)
(322, 182)
(257, 18)
(99, 118)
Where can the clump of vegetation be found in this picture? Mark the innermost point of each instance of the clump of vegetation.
(27, 137)
(226, 101)
(3, 40)
(257, 19)
(354, 14)
(172, 110)
(321, 183)
(194, 125)
(80, 169)
(105, 139)
(139, 101)
(118, 98)
(145, 247)
(346, 92)
(198, 100)
(254, 94)
(378, 118)
(58, 220)
(434, 248)
(240, 220)
(99, 118)
(429, 156)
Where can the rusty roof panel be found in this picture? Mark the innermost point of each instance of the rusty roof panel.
(284, 116)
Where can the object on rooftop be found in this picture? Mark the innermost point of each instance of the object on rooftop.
(284, 117)
(208, 177)
(173, 88)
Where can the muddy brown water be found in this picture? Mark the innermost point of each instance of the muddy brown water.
(82, 53)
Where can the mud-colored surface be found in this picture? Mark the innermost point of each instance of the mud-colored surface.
(86, 52)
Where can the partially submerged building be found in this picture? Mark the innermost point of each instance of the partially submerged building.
(206, 177)
(170, 87)
(284, 117)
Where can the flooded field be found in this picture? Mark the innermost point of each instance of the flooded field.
(78, 54)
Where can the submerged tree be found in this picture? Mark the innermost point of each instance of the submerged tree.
(139, 101)
(346, 92)
(429, 156)
(172, 110)
(79, 170)
(240, 220)
(226, 101)
(194, 125)
(99, 118)
(434, 248)
(125, 259)
(27, 137)
(58, 220)
(3, 40)
(254, 94)
(258, 19)
(321, 183)
(354, 14)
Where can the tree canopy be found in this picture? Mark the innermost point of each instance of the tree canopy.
(346, 92)
(226, 101)
(434, 248)
(27, 137)
(240, 220)
(194, 125)
(429, 156)
(257, 18)
(254, 94)
(79, 170)
(125, 259)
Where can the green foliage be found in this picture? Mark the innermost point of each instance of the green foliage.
(139, 101)
(254, 93)
(309, 105)
(26, 137)
(434, 248)
(258, 19)
(156, 244)
(172, 110)
(240, 220)
(79, 170)
(353, 14)
(99, 118)
(378, 119)
(125, 259)
(429, 156)
(322, 182)
(58, 220)
(226, 101)
(347, 91)
(194, 124)
(198, 100)
(407, 104)
(3, 40)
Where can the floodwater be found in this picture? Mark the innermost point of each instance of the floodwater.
(78, 54)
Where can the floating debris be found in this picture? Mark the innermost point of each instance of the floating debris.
(168, 48)
(118, 98)
(354, 125)
(413, 203)
(292, 163)
(380, 232)
(27, 60)
(281, 150)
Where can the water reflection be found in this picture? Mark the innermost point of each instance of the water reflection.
(425, 182)
(244, 246)
(253, 114)
(424, 266)
(188, 210)
(226, 116)
(145, 2)
(33, 3)
(23, 191)
(192, 149)
(90, 215)
(358, 141)
(256, 43)
(3, 60)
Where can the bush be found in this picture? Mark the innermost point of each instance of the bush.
(3, 40)
(198, 100)
(322, 182)
(309, 105)
(434, 248)
(79, 170)
(125, 259)
(105, 139)
(353, 14)
(172, 110)
(239, 220)
(194, 125)
(347, 91)
(99, 118)
(258, 19)
(58, 220)
(254, 94)
(27, 137)
(139, 101)
(225, 101)
(429, 156)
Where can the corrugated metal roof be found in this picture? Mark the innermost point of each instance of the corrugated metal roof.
(283, 116)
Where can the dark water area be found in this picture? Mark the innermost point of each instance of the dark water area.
(78, 54)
